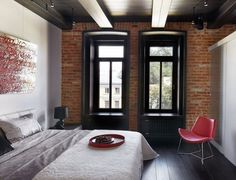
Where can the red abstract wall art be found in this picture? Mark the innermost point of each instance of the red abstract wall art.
(17, 65)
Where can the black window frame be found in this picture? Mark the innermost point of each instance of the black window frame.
(152, 37)
(97, 60)
(90, 118)
(174, 60)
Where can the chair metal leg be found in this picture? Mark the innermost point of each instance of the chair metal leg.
(180, 141)
(178, 152)
(211, 155)
(201, 157)
(210, 148)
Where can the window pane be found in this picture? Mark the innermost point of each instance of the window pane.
(166, 89)
(161, 51)
(104, 78)
(154, 85)
(111, 51)
(116, 84)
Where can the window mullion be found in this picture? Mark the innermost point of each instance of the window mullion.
(160, 87)
(110, 87)
(174, 84)
(147, 86)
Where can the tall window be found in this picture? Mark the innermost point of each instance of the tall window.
(160, 76)
(105, 79)
(109, 58)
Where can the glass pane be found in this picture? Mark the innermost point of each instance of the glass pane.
(104, 78)
(161, 51)
(111, 51)
(116, 85)
(166, 89)
(154, 85)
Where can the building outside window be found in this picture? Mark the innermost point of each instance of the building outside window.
(106, 104)
(117, 90)
(117, 104)
(106, 90)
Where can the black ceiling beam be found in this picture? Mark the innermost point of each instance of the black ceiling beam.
(44, 10)
(223, 15)
(148, 18)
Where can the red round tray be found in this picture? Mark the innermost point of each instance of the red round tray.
(117, 140)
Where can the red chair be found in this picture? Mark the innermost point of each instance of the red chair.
(203, 131)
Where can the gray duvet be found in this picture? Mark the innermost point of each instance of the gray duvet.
(32, 154)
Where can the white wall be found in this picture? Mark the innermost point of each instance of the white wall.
(22, 23)
(229, 104)
(228, 89)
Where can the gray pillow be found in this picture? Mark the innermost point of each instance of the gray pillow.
(19, 128)
(5, 145)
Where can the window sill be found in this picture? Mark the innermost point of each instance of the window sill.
(162, 114)
(106, 114)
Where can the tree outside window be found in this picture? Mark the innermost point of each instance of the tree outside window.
(160, 79)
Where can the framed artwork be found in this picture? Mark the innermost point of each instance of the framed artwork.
(18, 60)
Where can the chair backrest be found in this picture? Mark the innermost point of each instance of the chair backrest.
(204, 127)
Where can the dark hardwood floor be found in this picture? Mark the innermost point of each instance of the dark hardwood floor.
(172, 166)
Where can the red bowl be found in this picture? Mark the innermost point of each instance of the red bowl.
(117, 140)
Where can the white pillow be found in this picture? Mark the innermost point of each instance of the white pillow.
(19, 128)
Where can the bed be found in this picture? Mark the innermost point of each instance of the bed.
(65, 154)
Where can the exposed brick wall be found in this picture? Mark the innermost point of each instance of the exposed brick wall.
(198, 67)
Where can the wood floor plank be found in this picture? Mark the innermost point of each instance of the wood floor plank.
(149, 171)
(220, 168)
(161, 167)
(171, 166)
(177, 168)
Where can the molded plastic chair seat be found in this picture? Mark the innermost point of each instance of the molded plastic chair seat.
(191, 137)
